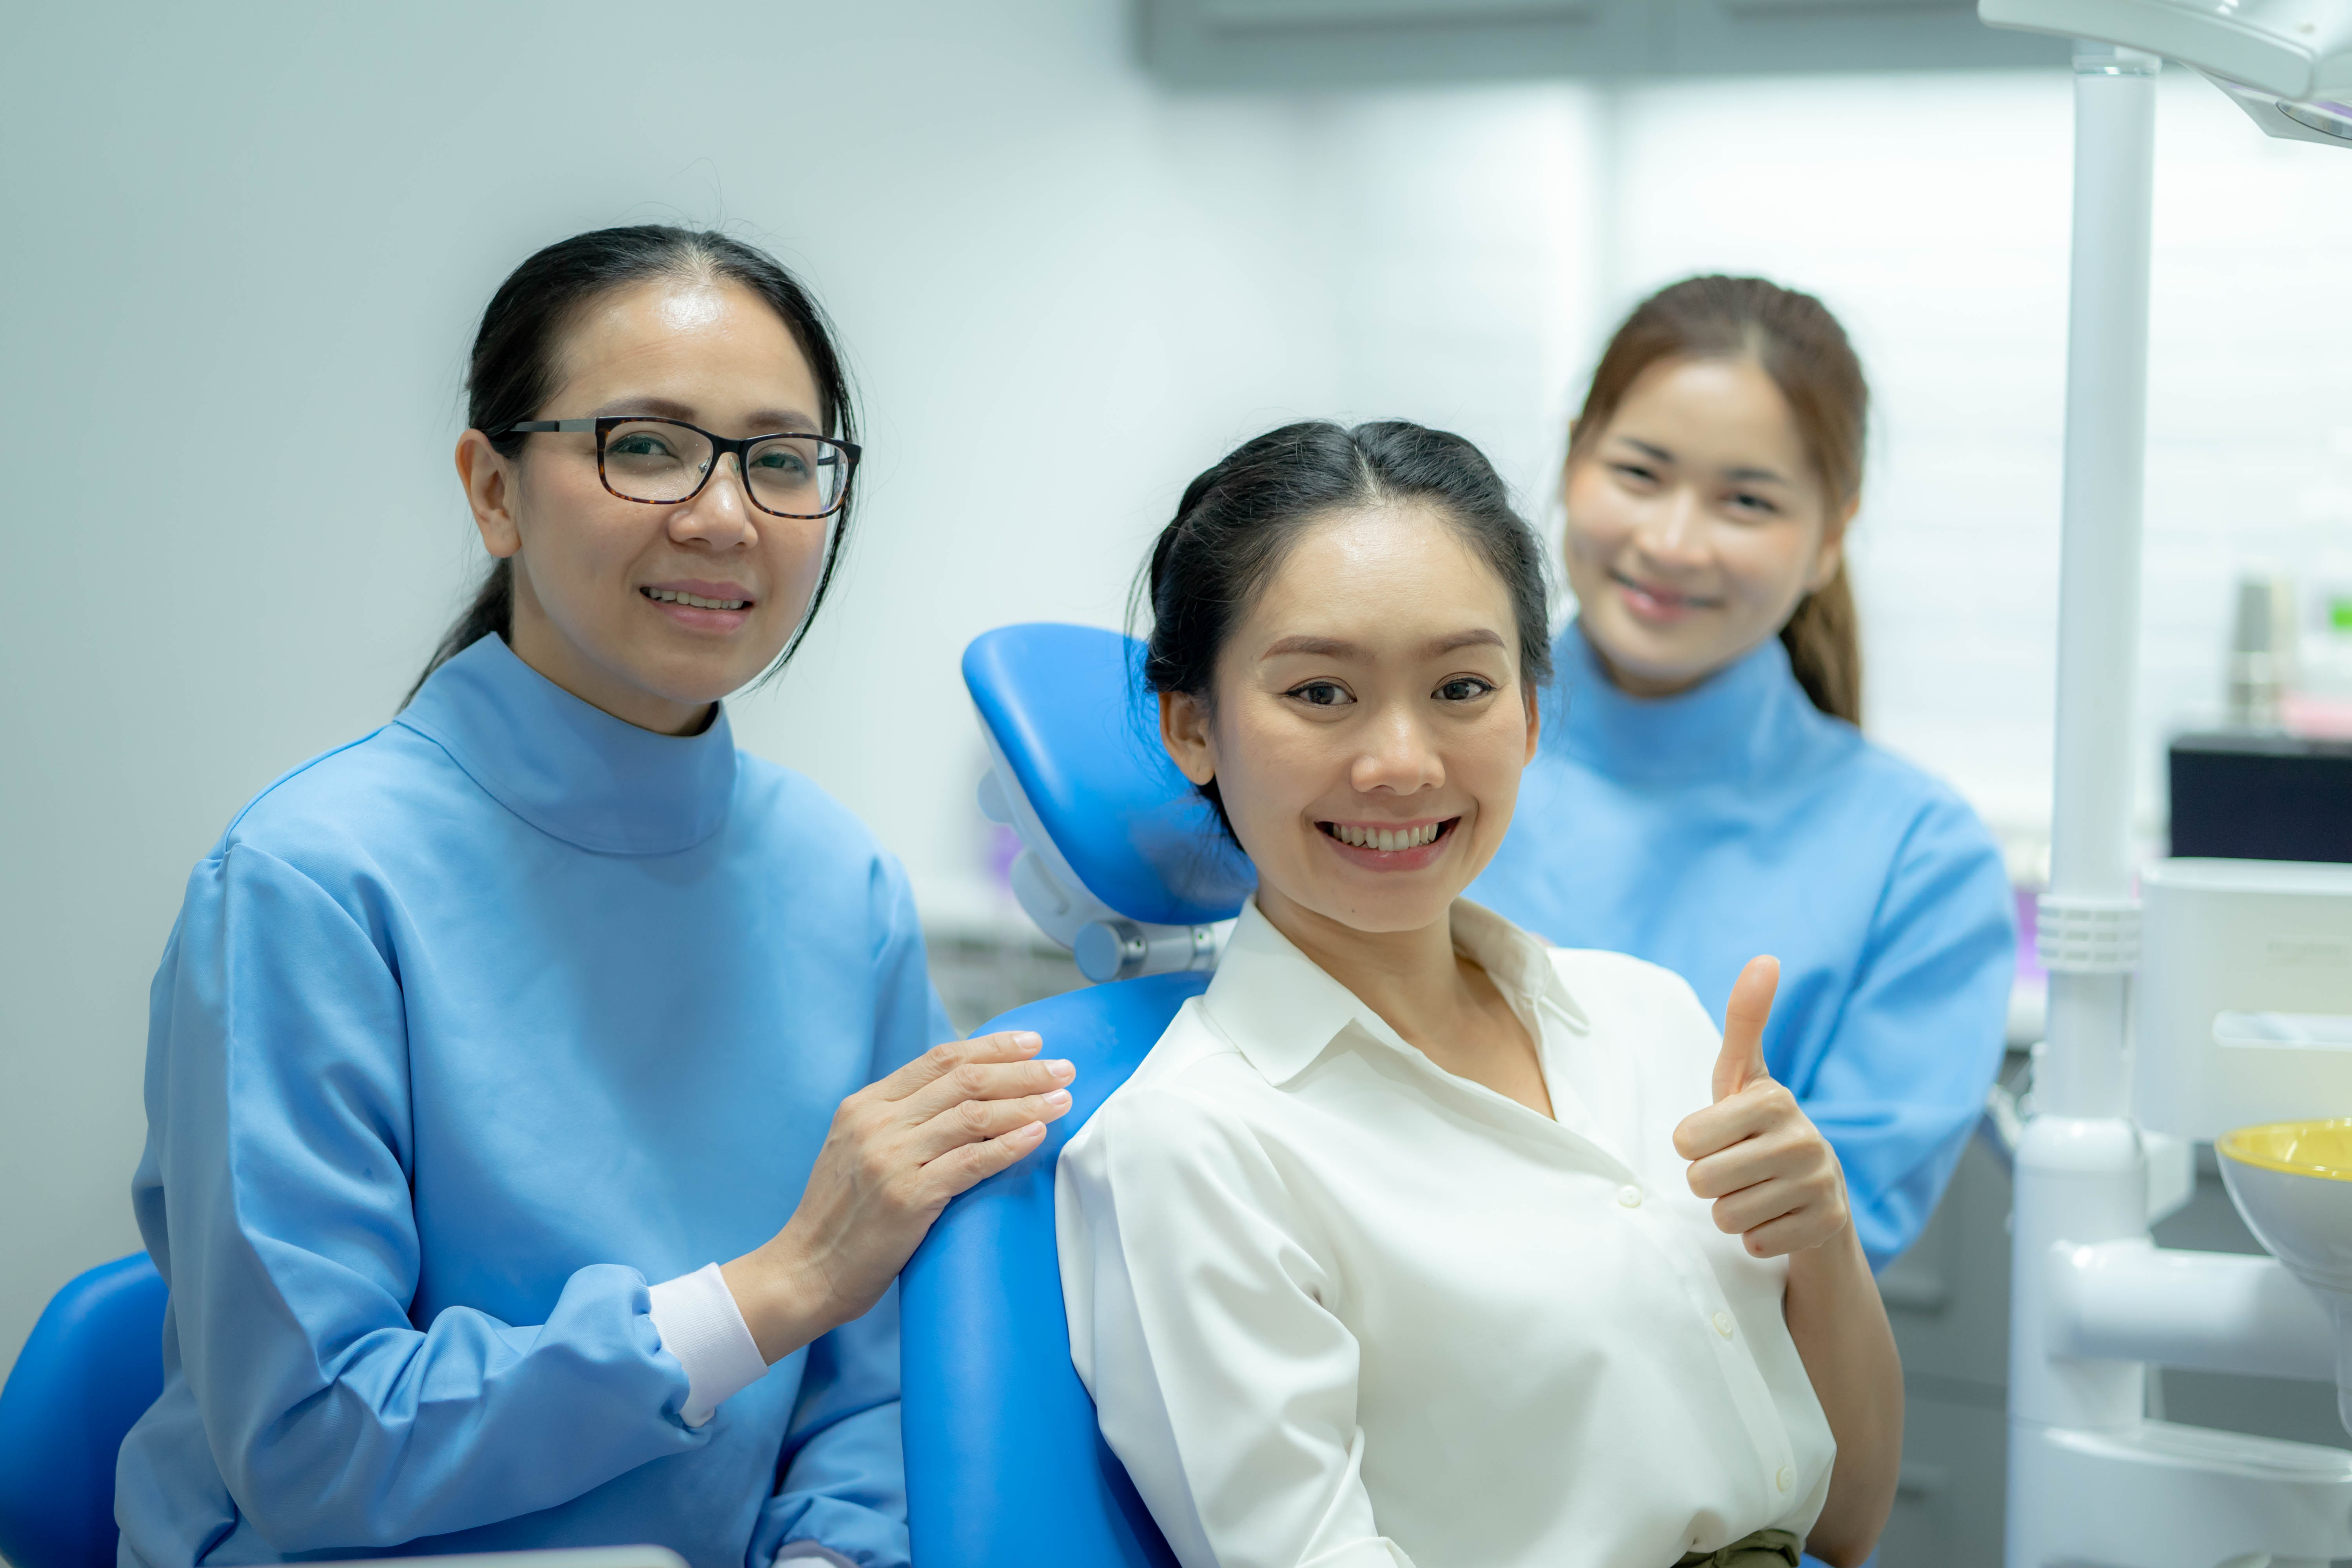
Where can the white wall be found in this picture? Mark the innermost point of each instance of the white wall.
(246, 249)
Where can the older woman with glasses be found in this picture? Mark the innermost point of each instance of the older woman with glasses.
(543, 1095)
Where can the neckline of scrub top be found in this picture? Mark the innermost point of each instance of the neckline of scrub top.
(1733, 724)
(569, 768)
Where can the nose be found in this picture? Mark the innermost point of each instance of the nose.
(1398, 756)
(1674, 532)
(721, 517)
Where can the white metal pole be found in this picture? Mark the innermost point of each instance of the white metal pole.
(2091, 908)
(2080, 1175)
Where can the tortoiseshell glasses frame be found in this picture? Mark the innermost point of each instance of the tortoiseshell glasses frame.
(838, 457)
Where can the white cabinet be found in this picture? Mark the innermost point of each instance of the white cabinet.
(1346, 43)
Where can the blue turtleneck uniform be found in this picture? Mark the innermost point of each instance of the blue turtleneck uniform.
(1698, 831)
(466, 1032)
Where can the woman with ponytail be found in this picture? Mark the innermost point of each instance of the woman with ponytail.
(1703, 790)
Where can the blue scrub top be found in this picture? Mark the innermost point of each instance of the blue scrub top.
(1699, 830)
(466, 1032)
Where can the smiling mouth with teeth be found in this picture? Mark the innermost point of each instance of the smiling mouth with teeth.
(671, 596)
(1357, 838)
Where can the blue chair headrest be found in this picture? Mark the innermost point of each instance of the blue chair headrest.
(1067, 712)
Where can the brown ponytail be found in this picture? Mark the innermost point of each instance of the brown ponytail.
(1802, 347)
(1825, 643)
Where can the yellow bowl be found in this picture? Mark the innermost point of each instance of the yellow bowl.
(2292, 1182)
(2297, 1148)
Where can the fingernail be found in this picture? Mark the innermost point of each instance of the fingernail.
(1058, 1100)
(1028, 1042)
(1061, 1070)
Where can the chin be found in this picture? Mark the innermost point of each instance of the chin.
(1648, 652)
(688, 684)
(1380, 917)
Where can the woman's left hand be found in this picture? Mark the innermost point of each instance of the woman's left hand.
(1775, 1179)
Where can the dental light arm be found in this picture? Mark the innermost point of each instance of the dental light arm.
(2287, 63)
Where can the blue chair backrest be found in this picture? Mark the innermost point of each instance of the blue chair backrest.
(1005, 1468)
(93, 1365)
(1005, 1464)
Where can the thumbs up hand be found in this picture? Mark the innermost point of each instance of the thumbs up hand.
(1775, 1179)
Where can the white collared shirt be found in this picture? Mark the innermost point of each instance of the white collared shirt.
(1338, 1307)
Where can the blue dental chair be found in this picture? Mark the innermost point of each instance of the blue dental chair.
(93, 1365)
(1126, 867)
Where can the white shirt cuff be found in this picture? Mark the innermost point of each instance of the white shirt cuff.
(810, 1552)
(699, 1324)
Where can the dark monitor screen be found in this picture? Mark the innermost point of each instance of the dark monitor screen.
(2260, 796)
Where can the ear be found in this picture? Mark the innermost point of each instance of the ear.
(1184, 731)
(1832, 554)
(1535, 725)
(489, 479)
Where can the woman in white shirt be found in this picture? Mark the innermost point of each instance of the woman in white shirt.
(1413, 1241)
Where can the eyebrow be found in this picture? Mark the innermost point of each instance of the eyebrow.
(1745, 475)
(762, 421)
(1337, 648)
(1322, 648)
(1478, 637)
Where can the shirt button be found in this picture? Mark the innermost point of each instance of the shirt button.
(1723, 1327)
(1786, 1478)
(1630, 1196)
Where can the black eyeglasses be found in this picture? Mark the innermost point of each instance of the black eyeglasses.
(662, 462)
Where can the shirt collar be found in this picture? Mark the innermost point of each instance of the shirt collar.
(569, 768)
(1282, 1010)
(1737, 722)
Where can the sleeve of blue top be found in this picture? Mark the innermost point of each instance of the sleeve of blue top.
(844, 1482)
(1919, 1040)
(292, 1254)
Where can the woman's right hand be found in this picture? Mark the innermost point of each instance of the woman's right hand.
(1774, 1179)
(898, 1152)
